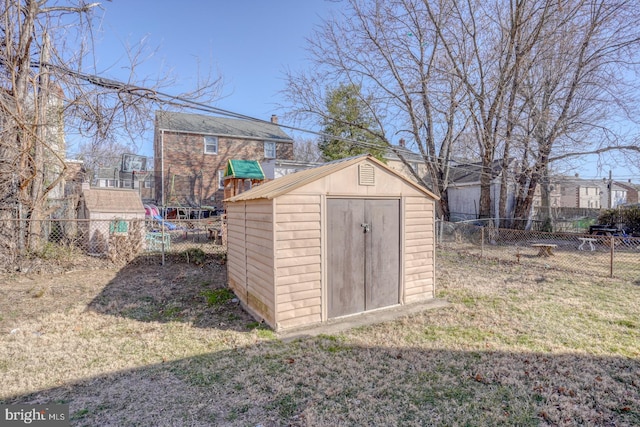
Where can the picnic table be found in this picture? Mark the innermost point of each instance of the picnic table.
(544, 249)
(584, 240)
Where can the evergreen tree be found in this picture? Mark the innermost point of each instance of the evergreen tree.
(348, 118)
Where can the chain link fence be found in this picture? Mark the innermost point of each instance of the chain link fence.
(598, 255)
(115, 240)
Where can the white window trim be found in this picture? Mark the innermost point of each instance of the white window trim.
(205, 144)
(269, 156)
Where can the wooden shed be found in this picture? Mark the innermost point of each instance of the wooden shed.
(340, 239)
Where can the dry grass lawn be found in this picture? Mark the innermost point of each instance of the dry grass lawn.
(152, 345)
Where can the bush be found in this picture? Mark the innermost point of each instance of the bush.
(626, 217)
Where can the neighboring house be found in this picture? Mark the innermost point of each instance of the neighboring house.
(277, 168)
(631, 190)
(464, 190)
(575, 192)
(414, 159)
(116, 177)
(108, 177)
(191, 153)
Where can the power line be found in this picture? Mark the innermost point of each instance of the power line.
(166, 98)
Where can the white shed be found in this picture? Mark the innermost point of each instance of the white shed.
(340, 239)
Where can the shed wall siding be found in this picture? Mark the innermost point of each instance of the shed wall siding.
(236, 250)
(260, 262)
(276, 246)
(419, 249)
(250, 255)
(298, 260)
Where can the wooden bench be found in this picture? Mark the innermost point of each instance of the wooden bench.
(544, 249)
(588, 240)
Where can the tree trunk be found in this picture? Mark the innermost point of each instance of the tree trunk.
(486, 176)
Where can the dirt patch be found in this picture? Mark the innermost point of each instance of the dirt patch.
(143, 290)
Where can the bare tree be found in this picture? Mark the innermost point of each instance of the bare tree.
(576, 82)
(540, 76)
(306, 150)
(533, 80)
(391, 50)
(50, 86)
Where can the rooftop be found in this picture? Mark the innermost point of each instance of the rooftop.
(220, 126)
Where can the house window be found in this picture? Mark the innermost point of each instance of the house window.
(221, 179)
(270, 150)
(211, 145)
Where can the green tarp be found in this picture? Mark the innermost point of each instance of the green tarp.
(244, 169)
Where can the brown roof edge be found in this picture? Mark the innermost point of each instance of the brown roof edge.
(283, 185)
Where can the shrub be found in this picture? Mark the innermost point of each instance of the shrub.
(627, 217)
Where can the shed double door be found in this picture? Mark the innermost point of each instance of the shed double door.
(363, 253)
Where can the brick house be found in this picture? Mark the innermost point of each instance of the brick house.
(191, 153)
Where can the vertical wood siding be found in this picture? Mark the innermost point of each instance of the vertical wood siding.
(236, 250)
(419, 261)
(298, 263)
(250, 255)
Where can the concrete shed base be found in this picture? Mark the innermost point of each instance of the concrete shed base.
(335, 326)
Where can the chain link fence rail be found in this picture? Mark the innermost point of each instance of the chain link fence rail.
(114, 240)
(606, 256)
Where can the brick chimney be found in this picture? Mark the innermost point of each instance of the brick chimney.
(274, 119)
(402, 143)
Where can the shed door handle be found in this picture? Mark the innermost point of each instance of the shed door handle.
(366, 227)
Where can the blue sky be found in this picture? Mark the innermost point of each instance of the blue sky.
(250, 43)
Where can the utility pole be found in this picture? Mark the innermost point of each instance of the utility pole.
(610, 191)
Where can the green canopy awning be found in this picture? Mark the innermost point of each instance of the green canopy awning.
(244, 169)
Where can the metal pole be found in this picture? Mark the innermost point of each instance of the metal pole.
(613, 243)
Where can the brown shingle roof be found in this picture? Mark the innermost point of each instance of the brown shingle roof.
(112, 200)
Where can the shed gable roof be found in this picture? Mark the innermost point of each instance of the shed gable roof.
(220, 126)
(112, 200)
(280, 186)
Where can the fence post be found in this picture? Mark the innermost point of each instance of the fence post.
(482, 242)
(613, 244)
(162, 231)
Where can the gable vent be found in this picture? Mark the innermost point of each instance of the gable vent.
(366, 175)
